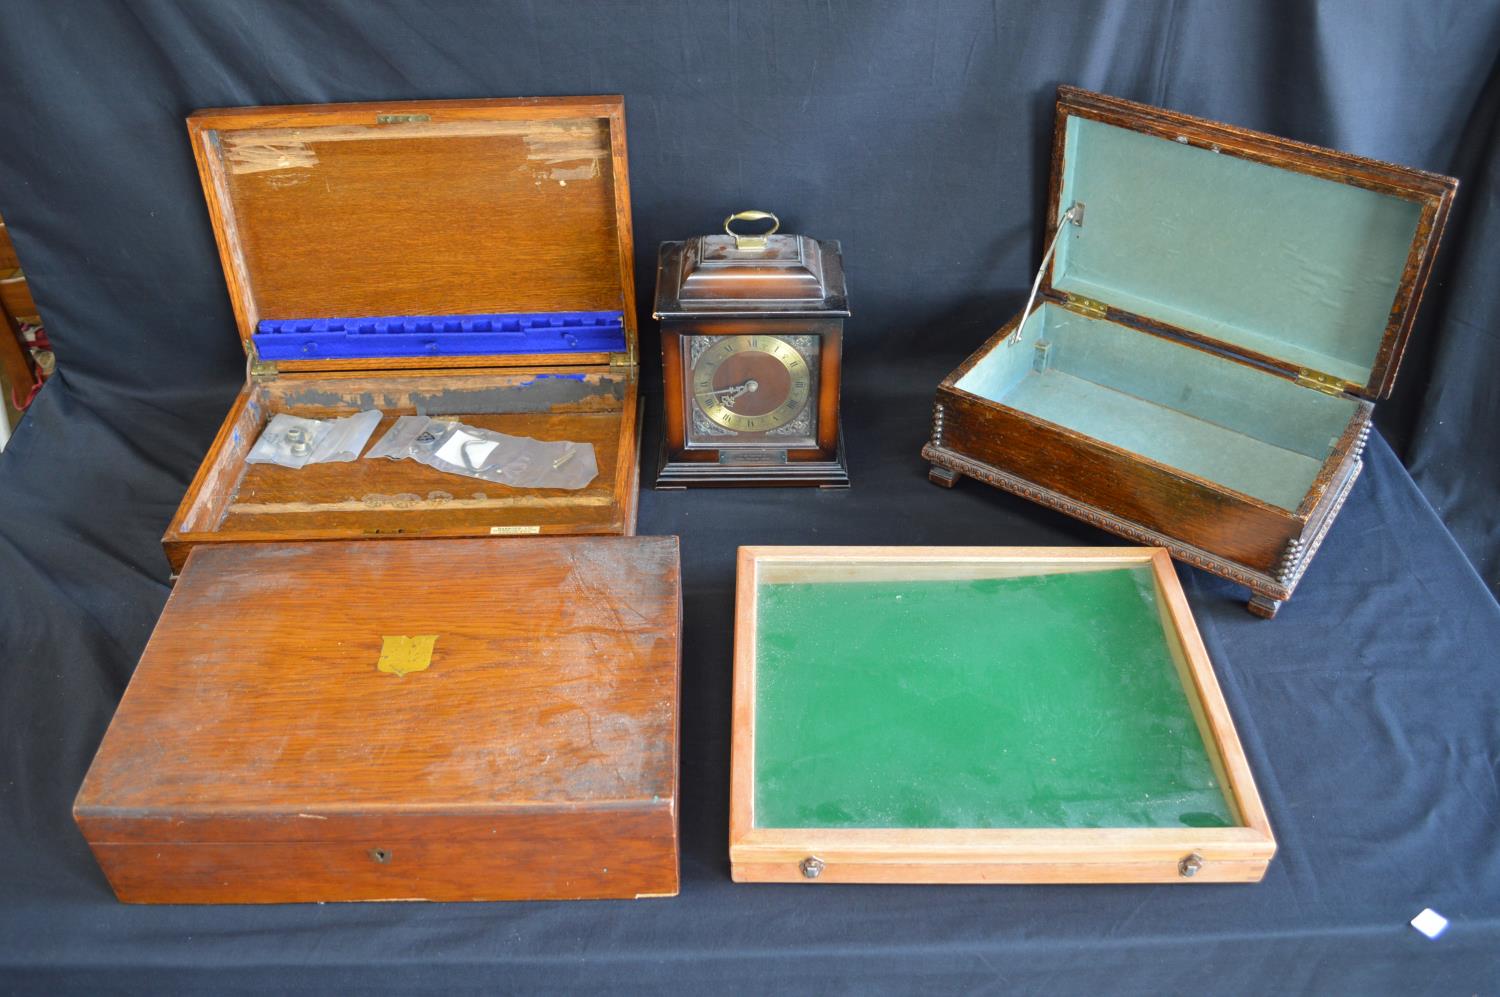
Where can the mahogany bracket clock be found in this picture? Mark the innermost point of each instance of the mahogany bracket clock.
(752, 330)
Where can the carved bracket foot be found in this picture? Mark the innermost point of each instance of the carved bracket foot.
(1263, 607)
(943, 476)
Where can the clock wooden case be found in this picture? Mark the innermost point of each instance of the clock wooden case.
(469, 258)
(1198, 372)
(752, 330)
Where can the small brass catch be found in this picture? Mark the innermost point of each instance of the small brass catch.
(1318, 381)
(260, 370)
(1086, 306)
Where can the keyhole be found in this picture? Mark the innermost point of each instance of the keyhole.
(381, 855)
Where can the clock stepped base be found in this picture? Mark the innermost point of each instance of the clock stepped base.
(676, 474)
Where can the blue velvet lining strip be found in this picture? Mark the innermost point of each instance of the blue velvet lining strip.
(440, 335)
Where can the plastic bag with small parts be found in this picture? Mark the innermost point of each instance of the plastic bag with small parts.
(293, 441)
(517, 461)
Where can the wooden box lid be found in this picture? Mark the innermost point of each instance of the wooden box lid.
(1307, 260)
(422, 208)
(287, 694)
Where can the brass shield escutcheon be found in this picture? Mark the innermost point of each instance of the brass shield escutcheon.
(399, 655)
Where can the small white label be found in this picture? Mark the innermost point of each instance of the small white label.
(1430, 922)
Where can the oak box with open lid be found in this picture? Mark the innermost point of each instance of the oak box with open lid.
(467, 258)
(1196, 374)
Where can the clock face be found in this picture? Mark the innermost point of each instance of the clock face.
(757, 389)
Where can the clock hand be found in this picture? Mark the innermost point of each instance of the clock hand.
(736, 390)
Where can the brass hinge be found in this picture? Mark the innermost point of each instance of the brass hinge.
(401, 119)
(619, 360)
(1318, 381)
(260, 370)
(1085, 306)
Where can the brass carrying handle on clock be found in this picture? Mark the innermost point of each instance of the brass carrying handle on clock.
(751, 241)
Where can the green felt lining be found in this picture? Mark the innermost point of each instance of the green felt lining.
(1044, 701)
(1280, 263)
(1244, 428)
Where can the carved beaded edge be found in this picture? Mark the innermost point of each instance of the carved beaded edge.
(1279, 587)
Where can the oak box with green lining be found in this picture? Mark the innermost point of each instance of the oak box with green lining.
(1215, 313)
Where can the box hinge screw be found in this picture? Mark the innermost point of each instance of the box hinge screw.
(1190, 864)
(812, 867)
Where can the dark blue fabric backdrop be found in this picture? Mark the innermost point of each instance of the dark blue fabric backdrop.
(918, 135)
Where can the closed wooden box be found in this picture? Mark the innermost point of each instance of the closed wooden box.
(1199, 369)
(465, 719)
(445, 216)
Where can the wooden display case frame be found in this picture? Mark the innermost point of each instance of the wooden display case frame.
(1022, 855)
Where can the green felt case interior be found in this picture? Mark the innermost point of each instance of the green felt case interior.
(1047, 700)
(1283, 264)
(1241, 427)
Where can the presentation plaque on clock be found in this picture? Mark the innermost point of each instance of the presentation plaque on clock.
(751, 342)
